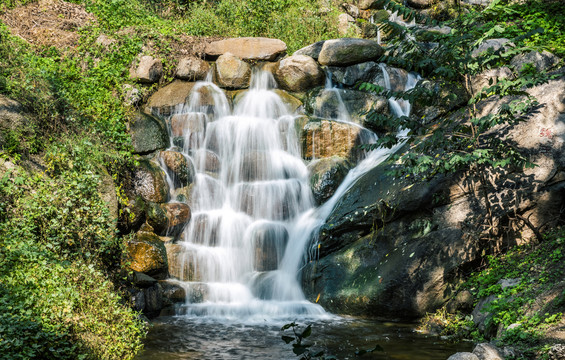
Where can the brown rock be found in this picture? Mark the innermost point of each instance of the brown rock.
(147, 255)
(206, 160)
(270, 243)
(248, 48)
(328, 138)
(164, 101)
(181, 168)
(232, 72)
(181, 263)
(149, 70)
(348, 51)
(150, 183)
(299, 73)
(192, 69)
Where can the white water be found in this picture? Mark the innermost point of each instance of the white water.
(254, 216)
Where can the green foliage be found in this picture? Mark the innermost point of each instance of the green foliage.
(58, 245)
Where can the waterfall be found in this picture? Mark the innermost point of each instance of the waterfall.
(253, 212)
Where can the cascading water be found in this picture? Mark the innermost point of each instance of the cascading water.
(252, 209)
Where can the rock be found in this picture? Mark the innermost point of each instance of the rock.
(351, 9)
(477, 2)
(494, 44)
(192, 69)
(327, 138)
(463, 356)
(147, 254)
(326, 175)
(488, 78)
(368, 4)
(148, 133)
(153, 300)
(150, 182)
(463, 302)
(420, 4)
(290, 101)
(148, 71)
(168, 219)
(138, 300)
(105, 41)
(142, 280)
(443, 97)
(312, 50)
(557, 352)
(191, 127)
(482, 318)
(173, 292)
(348, 51)
(504, 283)
(299, 73)
(166, 99)
(344, 24)
(540, 61)
(270, 243)
(248, 48)
(132, 96)
(347, 105)
(206, 160)
(351, 75)
(486, 351)
(181, 169)
(132, 214)
(232, 72)
(181, 263)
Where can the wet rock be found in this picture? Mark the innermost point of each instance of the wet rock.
(290, 101)
(540, 61)
(327, 138)
(168, 219)
(147, 254)
(299, 73)
(148, 133)
(204, 227)
(349, 51)
(346, 104)
(192, 69)
(138, 300)
(312, 50)
(150, 182)
(181, 263)
(232, 72)
(326, 175)
(167, 98)
(172, 292)
(248, 48)
(149, 70)
(206, 160)
(190, 127)
(270, 243)
(181, 169)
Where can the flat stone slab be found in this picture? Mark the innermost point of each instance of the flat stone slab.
(248, 48)
(349, 51)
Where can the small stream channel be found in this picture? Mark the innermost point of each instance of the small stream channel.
(181, 337)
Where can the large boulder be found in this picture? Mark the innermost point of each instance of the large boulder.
(299, 73)
(166, 99)
(369, 4)
(488, 78)
(232, 72)
(148, 133)
(147, 254)
(248, 48)
(312, 50)
(492, 45)
(348, 51)
(148, 70)
(540, 61)
(354, 74)
(326, 175)
(192, 69)
(327, 138)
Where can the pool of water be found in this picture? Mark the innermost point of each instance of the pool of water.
(183, 337)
